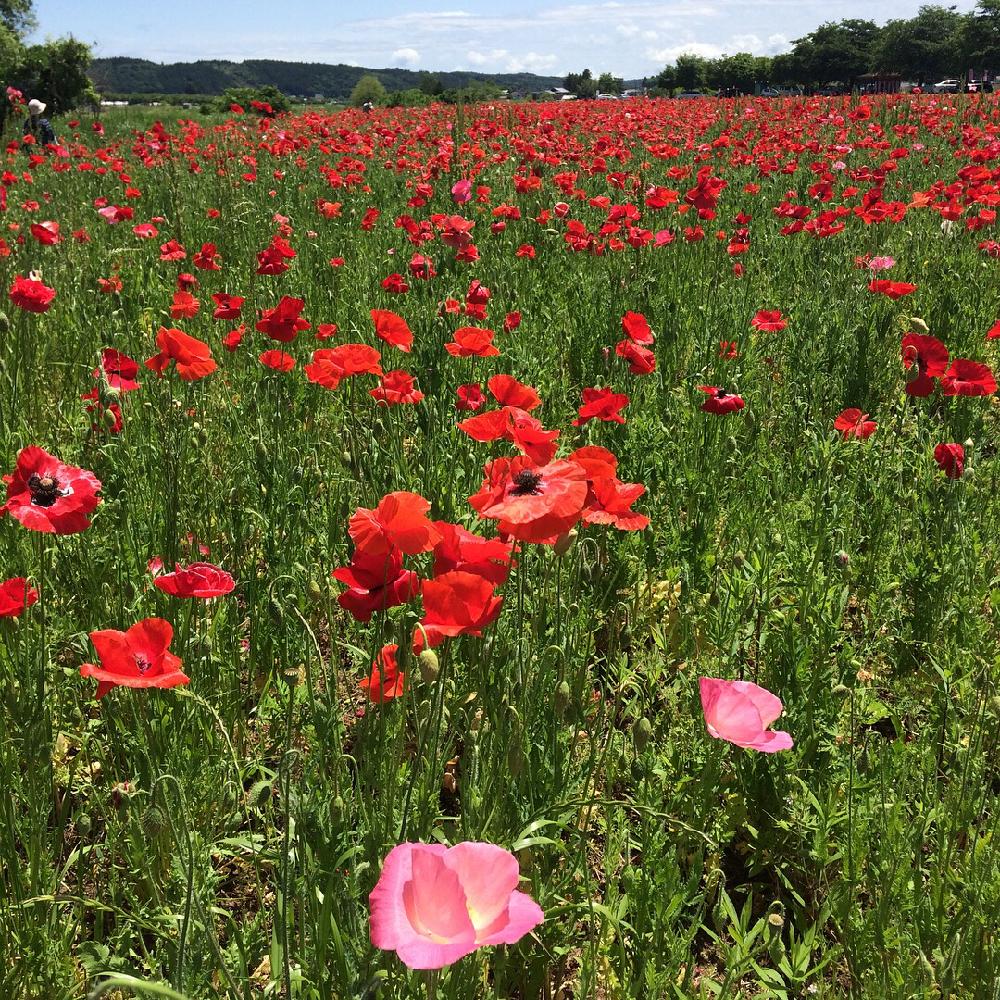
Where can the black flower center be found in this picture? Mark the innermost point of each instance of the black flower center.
(44, 490)
(721, 394)
(142, 663)
(526, 483)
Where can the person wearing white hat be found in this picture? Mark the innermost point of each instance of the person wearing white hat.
(37, 125)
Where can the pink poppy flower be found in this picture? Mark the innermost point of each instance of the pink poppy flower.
(433, 904)
(740, 712)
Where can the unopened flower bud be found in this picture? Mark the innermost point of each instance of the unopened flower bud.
(842, 559)
(427, 661)
(565, 542)
(563, 699)
(641, 732)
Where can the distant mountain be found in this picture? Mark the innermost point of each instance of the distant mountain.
(123, 75)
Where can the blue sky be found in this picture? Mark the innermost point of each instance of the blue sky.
(631, 38)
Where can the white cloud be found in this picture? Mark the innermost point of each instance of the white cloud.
(532, 62)
(669, 54)
(411, 56)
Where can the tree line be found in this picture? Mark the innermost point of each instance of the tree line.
(939, 42)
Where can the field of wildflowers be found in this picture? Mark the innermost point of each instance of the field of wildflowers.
(509, 551)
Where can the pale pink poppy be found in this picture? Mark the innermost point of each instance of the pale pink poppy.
(740, 712)
(461, 192)
(434, 904)
(881, 263)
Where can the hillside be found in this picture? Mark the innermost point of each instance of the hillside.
(124, 75)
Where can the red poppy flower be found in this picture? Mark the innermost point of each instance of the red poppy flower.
(110, 286)
(227, 307)
(172, 250)
(641, 360)
(234, 338)
(892, 289)
(284, 322)
(464, 550)
(720, 401)
(396, 284)
(516, 426)
(470, 397)
(509, 392)
(595, 461)
(392, 328)
(601, 404)
(931, 358)
(968, 378)
(532, 503)
(46, 233)
(386, 681)
(769, 321)
(271, 260)
(852, 423)
(511, 321)
(396, 387)
(184, 306)
(376, 581)
(456, 603)
(993, 333)
(119, 370)
(324, 331)
(332, 364)
(950, 459)
(138, 658)
(471, 341)
(195, 580)
(145, 231)
(207, 258)
(30, 295)
(398, 522)
(278, 360)
(610, 502)
(99, 408)
(636, 328)
(16, 596)
(193, 357)
(47, 496)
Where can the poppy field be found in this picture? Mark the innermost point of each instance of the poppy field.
(516, 551)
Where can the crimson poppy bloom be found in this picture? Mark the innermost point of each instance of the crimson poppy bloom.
(330, 365)
(509, 392)
(470, 397)
(16, 596)
(399, 521)
(271, 260)
(601, 404)
(47, 496)
(279, 361)
(197, 579)
(460, 549)
(769, 321)
(931, 358)
(172, 251)
(532, 503)
(396, 387)
(609, 501)
(852, 423)
(471, 341)
(993, 333)
(46, 233)
(193, 357)
(455, 603)
(110, 286)
(227, 307)
(31, 295)
(284, 322)
(184, 306)
(950, 459)
(393, 329)
(968, 378)
(207, 258)
(720, 401)
(386, 680)
(636, 328)
(641, 360)
(119, 370)
(891, 289)
(99, 408)
(376, 581)
(137, 658)
(513, 424)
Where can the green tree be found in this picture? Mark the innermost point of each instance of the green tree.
(17, 16)
(979, 40)
(836, 51)
(691, 71)
(607, 83)
(665, 81)
(430, 83)
(741, 71)
(582, 84)
(56, 73)
(926, 47)
(368, 88)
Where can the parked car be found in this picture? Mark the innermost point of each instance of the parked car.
(770, 92)
(947, 87)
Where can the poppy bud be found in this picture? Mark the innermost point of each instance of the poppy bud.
(260, 794)
(154, 822)
(641, 732)
(427, 661)
(109, 417)
(202, 436)
(315, 591)
(840, 691)
(337, 811)
(563, 699)
(565, 542)
(739, 560)
(84, 826)
(4, 322)
(919, 324)
(842, 559)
